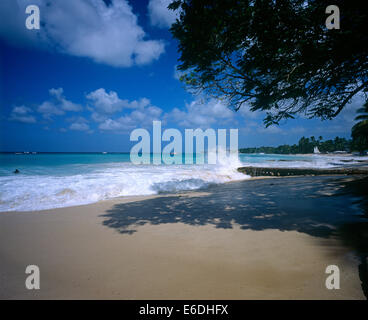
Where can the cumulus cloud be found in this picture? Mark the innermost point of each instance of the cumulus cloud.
(141, 118)
(79, 126)
(202, 114)
(102, 103)
(49, 109)
(160, 16)
(64, 103)
(107, 32)
(106, 102)
(22, 114)
(107, 108)
(21, 110)
(57, 105)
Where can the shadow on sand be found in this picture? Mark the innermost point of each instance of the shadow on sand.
(355, 234)
(313, 205)
(318, 206)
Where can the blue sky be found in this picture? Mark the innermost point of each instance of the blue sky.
(95, 71)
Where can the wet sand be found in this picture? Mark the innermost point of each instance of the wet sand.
(259, 239)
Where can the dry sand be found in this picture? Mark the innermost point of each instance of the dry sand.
(80, 258)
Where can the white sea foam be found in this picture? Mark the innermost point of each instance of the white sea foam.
(301, 161)
(46, 187)
(110, 180)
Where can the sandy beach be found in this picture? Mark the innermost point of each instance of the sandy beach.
(273, 240)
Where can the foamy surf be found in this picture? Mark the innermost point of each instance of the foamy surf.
(48, 181)
(107, 181)
(300, 161)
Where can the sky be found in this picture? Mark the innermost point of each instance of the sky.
(98, 69)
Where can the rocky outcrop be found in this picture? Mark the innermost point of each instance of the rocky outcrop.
(283, 172)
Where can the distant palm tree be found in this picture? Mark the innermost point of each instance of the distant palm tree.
(359, 131)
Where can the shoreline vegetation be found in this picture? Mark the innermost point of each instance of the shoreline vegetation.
(307, 145)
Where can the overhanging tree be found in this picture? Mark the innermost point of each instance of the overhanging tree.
(359, 131)
(275, 56)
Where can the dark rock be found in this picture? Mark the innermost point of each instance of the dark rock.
(282, 172)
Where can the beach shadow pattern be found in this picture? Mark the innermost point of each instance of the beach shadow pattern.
(317, 206)
(355, 234)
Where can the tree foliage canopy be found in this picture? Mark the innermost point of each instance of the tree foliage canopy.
(273, 55)
(359, 131)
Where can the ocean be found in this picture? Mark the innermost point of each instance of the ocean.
(53, 180)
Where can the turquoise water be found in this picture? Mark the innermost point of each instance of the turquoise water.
(51, 180)
(44, 163)
(62, 163)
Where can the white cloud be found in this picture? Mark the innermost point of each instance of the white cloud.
(202, 114)
(111, 125)
(97, 117)
(136, 119)
(106, 105)
(24, 119)
(139, 104)
(57, 105)
(22, 114)
(64, 103)
(106, 102)
(79, 126)
(160, 16)
(85, 28)
(49, 109)
(21, 110)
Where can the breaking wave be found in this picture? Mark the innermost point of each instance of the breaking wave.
(27, 192)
